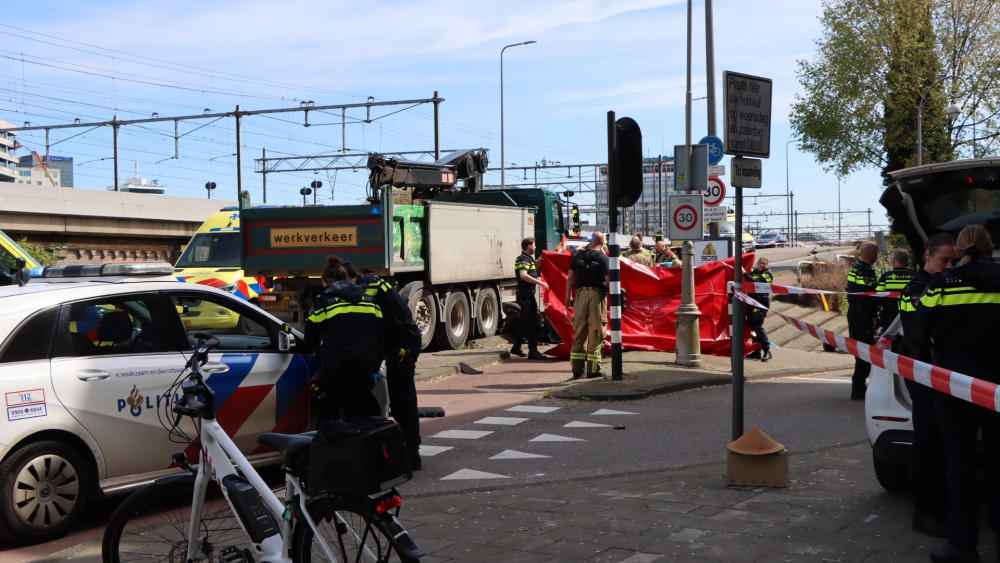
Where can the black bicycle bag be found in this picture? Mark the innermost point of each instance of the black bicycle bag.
(358, 458)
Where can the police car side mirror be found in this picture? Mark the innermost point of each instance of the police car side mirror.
(23, 273)
(286, 340)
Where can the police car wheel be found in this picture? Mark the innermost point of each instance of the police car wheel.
(46, 485)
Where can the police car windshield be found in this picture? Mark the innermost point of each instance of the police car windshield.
(212, 250)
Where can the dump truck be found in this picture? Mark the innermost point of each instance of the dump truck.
(446, 244)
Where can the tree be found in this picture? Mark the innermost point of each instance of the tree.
(877, 59)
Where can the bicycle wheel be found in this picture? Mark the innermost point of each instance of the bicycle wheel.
(152, 525)
(347, 528)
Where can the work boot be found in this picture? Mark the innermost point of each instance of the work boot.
(754, 356)
(766, 356)
(536, 355)
(928, 523)
(952, 554)
(515, 350)
(414, 454)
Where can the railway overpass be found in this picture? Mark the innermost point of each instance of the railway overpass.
(93, 226)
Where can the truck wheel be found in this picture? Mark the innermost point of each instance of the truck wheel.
(455, 321)
(423, 305)
(511, 317)
(487, 312)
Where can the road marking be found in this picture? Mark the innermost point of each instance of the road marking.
(428, 451)
(555, 438)
(514, 454)
(473, 474)
(530, 408)
(609, 411)
(817, 379)
(463, 434)
(578, 424)
(501, 420)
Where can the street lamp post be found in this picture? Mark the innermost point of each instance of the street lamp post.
(503, 183)
(788, 195)
(952, 110)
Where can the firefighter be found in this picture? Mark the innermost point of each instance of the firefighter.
(588, 276)
(344, 327)
(861, 318)
(925, 470)
(893, 280)
(956, 317)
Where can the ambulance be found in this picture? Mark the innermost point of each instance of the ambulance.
(10, 251)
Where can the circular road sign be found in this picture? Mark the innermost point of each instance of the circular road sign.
(716, 191)
(685, 217)
(716, 149)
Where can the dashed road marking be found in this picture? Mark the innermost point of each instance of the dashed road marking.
(501, 420)
(473, 474)
(514, 454)
(428, 451)
(578, 424)
(555, 438)
(463, 434)
(609, 411)
(532, 408)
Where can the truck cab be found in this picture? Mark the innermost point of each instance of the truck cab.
(10, 251)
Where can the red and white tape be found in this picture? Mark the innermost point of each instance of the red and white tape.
(755, 287)
(961, 386)
(747, 299)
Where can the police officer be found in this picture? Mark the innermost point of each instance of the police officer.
(925, 470)
(344, 327)
(589, 276)
(402, 345)
(755, 315)
(861, 320)
(957, 318)
(527, 278)
(893, 280)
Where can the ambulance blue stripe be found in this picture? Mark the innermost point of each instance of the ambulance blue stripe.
(225, 384)
(291, 383)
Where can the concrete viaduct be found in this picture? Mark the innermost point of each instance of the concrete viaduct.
(85, 226)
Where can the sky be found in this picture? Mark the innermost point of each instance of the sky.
(62, 60)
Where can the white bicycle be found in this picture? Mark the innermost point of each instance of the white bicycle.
(222, 510)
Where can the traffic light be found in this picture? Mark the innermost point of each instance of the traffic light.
(626, 169)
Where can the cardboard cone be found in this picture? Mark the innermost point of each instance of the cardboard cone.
(754, 442)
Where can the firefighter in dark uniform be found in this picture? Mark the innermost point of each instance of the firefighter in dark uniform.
(527, 278)
(957, 318)
(861, 319)
(344, 327)
(756, 315)
(402, 346)
(926, 466)
(588, 276)
(893, 280)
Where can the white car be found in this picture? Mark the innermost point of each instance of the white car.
(84, 370)
(888, 417)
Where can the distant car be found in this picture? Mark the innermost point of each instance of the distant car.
(770, 239)
(85, 366)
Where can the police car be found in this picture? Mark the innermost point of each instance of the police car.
(889, 419)
(86, 357)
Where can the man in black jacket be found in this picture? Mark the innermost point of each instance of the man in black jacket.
(861, 320)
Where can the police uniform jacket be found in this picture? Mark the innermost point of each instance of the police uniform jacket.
(909, 300)
(401, 332)
(525, 290)
(893, 280)
(345, 327)
(861, 308)
(957, 318)
(759, 276)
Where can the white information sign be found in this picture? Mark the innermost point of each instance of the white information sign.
(715, 214)
(747, 172)
(686, 213)
(747, 107)
(708, 251)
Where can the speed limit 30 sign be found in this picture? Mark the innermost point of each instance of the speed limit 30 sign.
(685, 217)
(715, 193)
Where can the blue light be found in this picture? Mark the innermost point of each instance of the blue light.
(376, 210)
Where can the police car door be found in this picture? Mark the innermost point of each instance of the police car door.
(264, 389)
(113, 359)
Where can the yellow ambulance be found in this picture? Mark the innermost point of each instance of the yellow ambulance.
(10, 251)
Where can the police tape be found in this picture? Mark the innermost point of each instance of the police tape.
(756, 287)
(747, 299)
(960, 386)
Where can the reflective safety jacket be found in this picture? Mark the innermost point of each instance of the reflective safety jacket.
(525, 290)
(401, 332)
(892, 280)
(861, 309)
(957, 316)
(909, 300)
(345, 327)
(759, 276)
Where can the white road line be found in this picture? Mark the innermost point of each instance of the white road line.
(578, 424)
(532, 408)
(819, 379)
(463, 434)
(473, 474)
(428, 451)
(514, 454)
(501, 420)
(555, 438)
(602, 412)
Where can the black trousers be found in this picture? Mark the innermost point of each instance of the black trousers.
(755, 319)
(960, 422)
(346, 393)
(403, 398)
(926, 465)
(527, 326)
(862, 331)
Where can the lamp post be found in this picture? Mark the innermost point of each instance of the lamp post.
(952, 110)
(315, 185)
(209, 186)
(788, 195)
(503, 183)
(305, 192)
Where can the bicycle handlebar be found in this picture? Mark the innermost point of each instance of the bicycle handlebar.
(190, 404)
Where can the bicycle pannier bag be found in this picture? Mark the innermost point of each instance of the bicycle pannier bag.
(358, 458)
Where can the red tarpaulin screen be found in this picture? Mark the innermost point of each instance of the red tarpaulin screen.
(653, 295)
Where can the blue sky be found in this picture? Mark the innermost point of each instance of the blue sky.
(63, 60)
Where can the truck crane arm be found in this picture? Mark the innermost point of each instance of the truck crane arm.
(426, 178)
